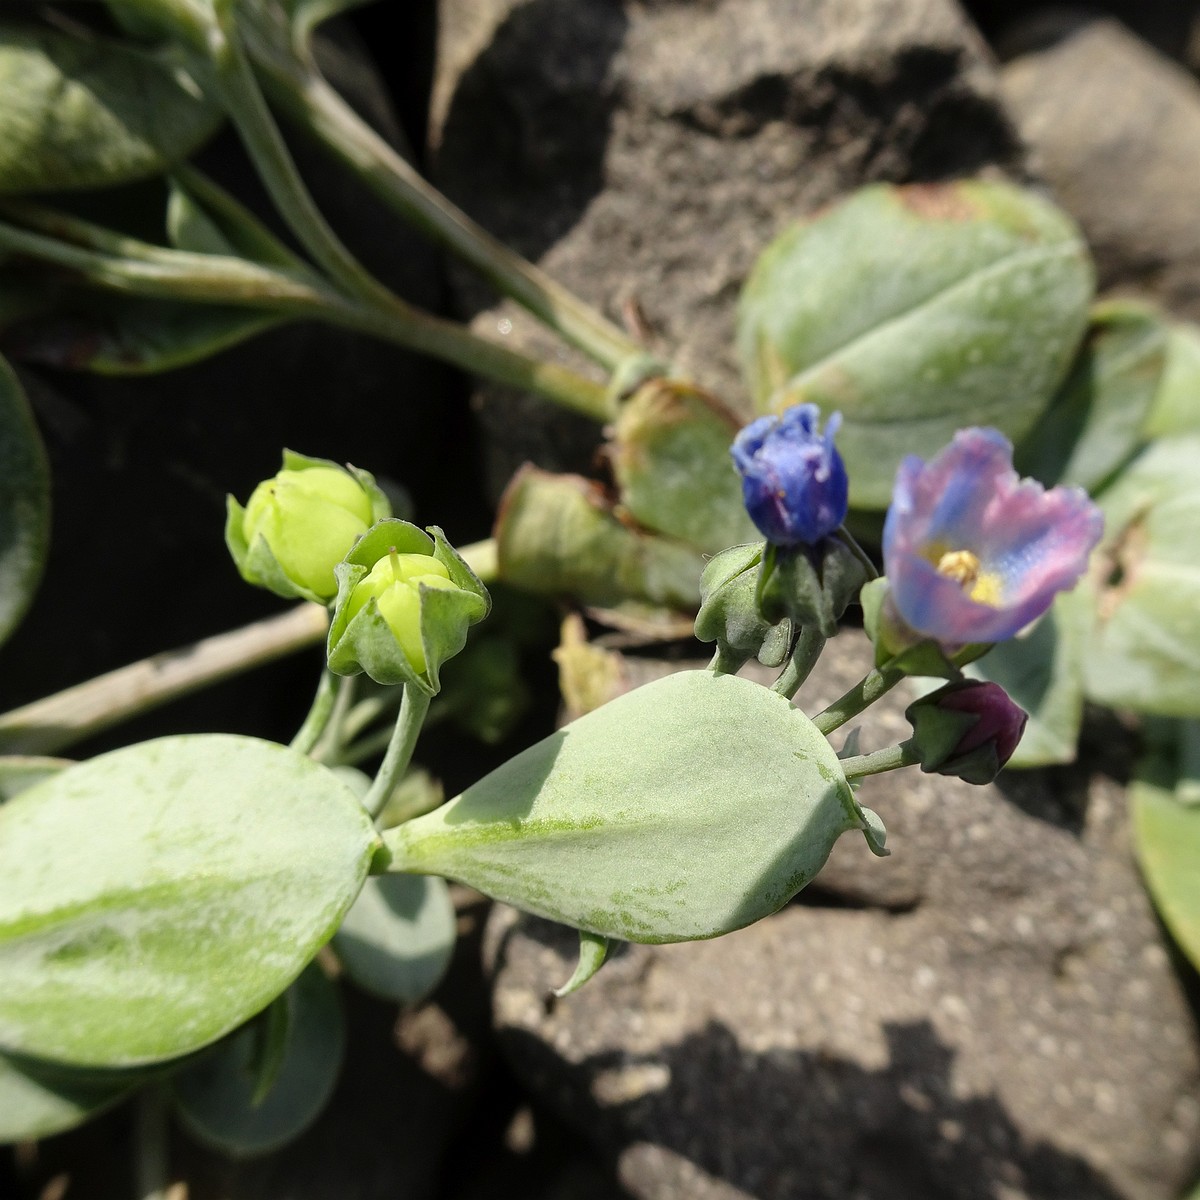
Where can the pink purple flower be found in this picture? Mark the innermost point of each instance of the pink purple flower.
(972, 552)
(793, 479)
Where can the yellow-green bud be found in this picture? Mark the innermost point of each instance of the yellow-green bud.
(298, 525)
(395, 584)
(405, 601)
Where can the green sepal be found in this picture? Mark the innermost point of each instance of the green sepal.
(365, 643)
(256, 563)
(729, 614)
(593, 953)
(813, 585)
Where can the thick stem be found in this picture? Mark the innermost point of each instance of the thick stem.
(799, 666)
(244, 102)
(58, 721)
(217, 279)
(453, 343)
(314, 105)
(315, 723)
(400, 749)
(889, 759)
(861, 696)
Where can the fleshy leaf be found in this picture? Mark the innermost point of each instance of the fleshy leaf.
(48, 322)
(397, 939)
(24, 503)
(670, 456)
(84, 111)
(1167, 840)
(1176, 407)
(1094, 423)
(38, 1099)
(216, 1097)
(685, 809)
(20, 772)
(1043, 672)
(915, 311)
(558, 535)
(154, 898)
(1143, 651)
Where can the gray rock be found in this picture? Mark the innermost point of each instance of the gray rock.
(989, 1014)
(644, 153)
(1115, 130)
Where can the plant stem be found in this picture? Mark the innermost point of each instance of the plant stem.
(453, 343)
(58, 721)
(888, 759)
(413, 708)
(219, 279)
(152, 1168)
(803, 658)
(313, 104)
(244, 102)
(864, 693)
(174, 274)
(320, 712)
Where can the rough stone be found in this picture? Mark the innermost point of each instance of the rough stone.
(1115, 130)
(988, 1014)
(644, 153)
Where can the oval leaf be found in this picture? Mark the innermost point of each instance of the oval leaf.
(915, 311)
(38, 1099)
(1167, 840)
(156, 897)
(84, 112)
(1143, 651)
(24, 503)
(217, 1097)
(670, 456)
(684, 809)
(20, 772)
(397, 940)
(1094, 424)
(1043, 672)
(1176, 407)
(77, 330)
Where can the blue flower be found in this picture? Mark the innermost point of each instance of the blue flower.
(972, 552)
(793, 479)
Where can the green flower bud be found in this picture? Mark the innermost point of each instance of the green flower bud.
(404, 604)
(729, 614)
(298, 525)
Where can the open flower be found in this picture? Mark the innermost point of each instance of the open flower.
(969, 729)
(793, 479)
(972, 552)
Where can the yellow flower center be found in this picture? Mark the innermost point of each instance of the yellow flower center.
(966, 570)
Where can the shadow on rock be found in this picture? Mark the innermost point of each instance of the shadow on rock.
(798, 1124)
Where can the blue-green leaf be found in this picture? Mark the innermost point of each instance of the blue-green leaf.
(397, 939)
(38, 1098)
(217, 1097)
(915, 311)
(82, 111)
(24, 503)
(684, 809)
(154, 898)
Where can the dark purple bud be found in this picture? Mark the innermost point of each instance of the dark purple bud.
(969, 729)
(793, 479)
